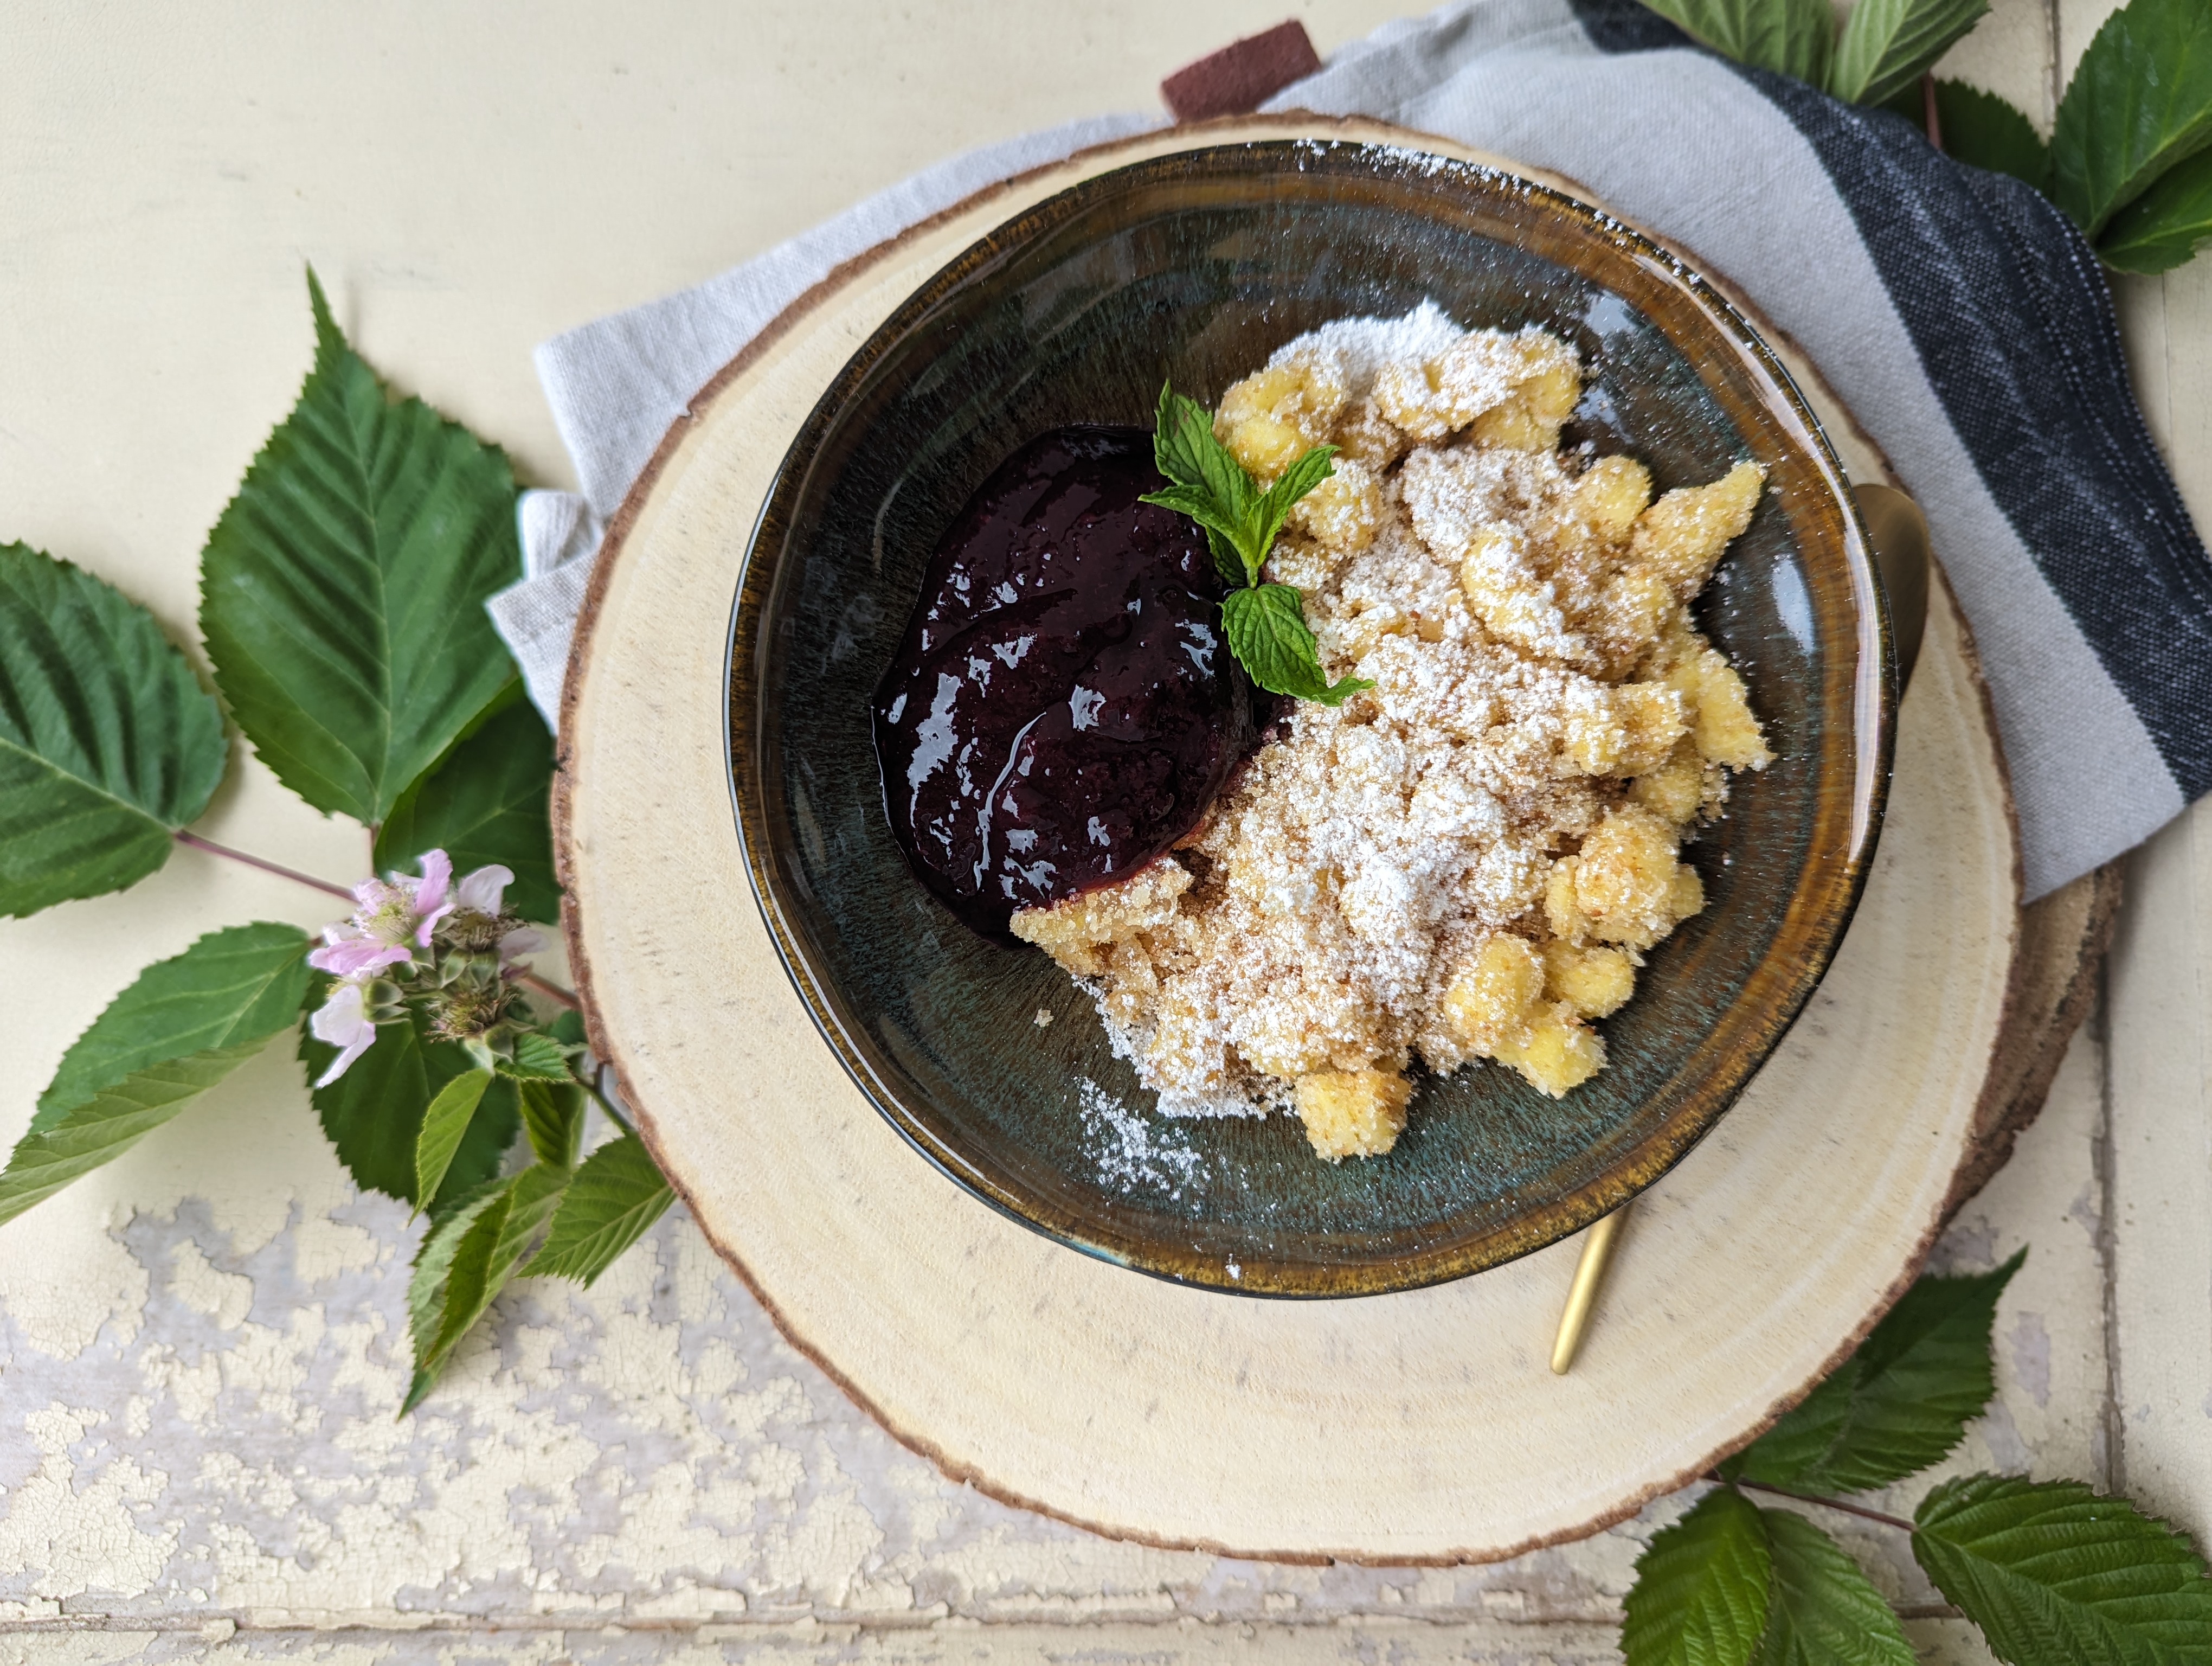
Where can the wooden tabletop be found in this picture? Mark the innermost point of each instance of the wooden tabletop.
(204, 1344)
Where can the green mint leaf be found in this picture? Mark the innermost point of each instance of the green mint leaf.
(445, 1120)
(1205, 483)
(615, 1196)
(1983, 130)
(231, 988)
(1267, 630)
(537, 1058)
(1822, 1611)
(1700, 1596)
(373, 1113)
(1310, 468)
(553, 1118)
(341, 592)
(1185, 450)
(1221, 527)
(486, 802)
(1897, 1404)
(181, 1026)
(103, 1127)
(1888, 45)
(2166, 224)
(1792, 36)
(108, 742)
(2140, 102)
(2051, 1572)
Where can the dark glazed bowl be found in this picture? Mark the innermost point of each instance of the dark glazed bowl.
(1198, 265)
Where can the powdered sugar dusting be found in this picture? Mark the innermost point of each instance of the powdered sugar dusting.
(1130, 1150)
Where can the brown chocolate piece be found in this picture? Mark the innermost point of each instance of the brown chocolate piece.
(1242, 76)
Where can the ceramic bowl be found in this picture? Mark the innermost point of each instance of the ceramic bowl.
(1197, 265)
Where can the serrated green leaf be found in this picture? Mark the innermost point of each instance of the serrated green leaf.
(445, 1120)
(179, 1027)
(2053, 1573)
(1983, 130)
(426, 1285)
(480, 1248)
(231, 988)
(2165, 226)
(486, 802)
(1306, 472)
(1888, 45)
(537, 1058)
(537, 1192)
(2140, 103)
(103, 1127)
(1267, 630)
(1900, 1402)
(1793, 37)
(553, 1118)
(342, 590)
(373, 1113)
(616, 1193)
(1700, 1596)
(108, 743)
(1821, 1609)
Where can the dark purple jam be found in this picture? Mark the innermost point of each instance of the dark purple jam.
(1063, 708)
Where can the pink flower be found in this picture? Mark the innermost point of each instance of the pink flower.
(349, 952)
(520, 942)
(342, 1022)
(428, 894)
(483, 890)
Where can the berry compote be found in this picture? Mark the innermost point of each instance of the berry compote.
(1064, 706)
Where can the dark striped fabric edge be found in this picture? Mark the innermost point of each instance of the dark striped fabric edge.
(2008, 311)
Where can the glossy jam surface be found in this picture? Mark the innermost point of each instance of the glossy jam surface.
(1063, 708)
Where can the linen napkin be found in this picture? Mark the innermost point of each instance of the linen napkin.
(1958, 314)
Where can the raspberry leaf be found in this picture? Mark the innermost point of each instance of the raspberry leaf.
(1888, 45)
(343, 589)
(1701, 1592)
(2140, 103)
(2166, 224)
(1897, 1404)
(1792, 36)
(1822, 1611)
(181, 1026)
(1983, 130)
(373, 1113)
(616, 1193)
(2053, 1573)
(486, 802)
(108, 743)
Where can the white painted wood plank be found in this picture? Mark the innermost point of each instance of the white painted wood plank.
(2160, 992)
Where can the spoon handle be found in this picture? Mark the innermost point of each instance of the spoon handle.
(1582, 1295)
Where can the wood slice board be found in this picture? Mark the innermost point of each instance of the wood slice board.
(1417, 1427)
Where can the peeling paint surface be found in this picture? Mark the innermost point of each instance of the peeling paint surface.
(209, 1437)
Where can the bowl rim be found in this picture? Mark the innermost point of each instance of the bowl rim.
(1834, 885)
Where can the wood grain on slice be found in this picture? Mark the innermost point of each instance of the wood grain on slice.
(1422, 1426)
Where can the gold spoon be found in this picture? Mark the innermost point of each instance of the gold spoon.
(1899, 534)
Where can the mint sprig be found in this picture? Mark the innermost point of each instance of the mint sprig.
(1265, 624)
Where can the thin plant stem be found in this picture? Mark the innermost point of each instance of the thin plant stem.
(550, 991)
(607, 1105)
(1927, 108)
(1897, 1522)
(263, 863)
